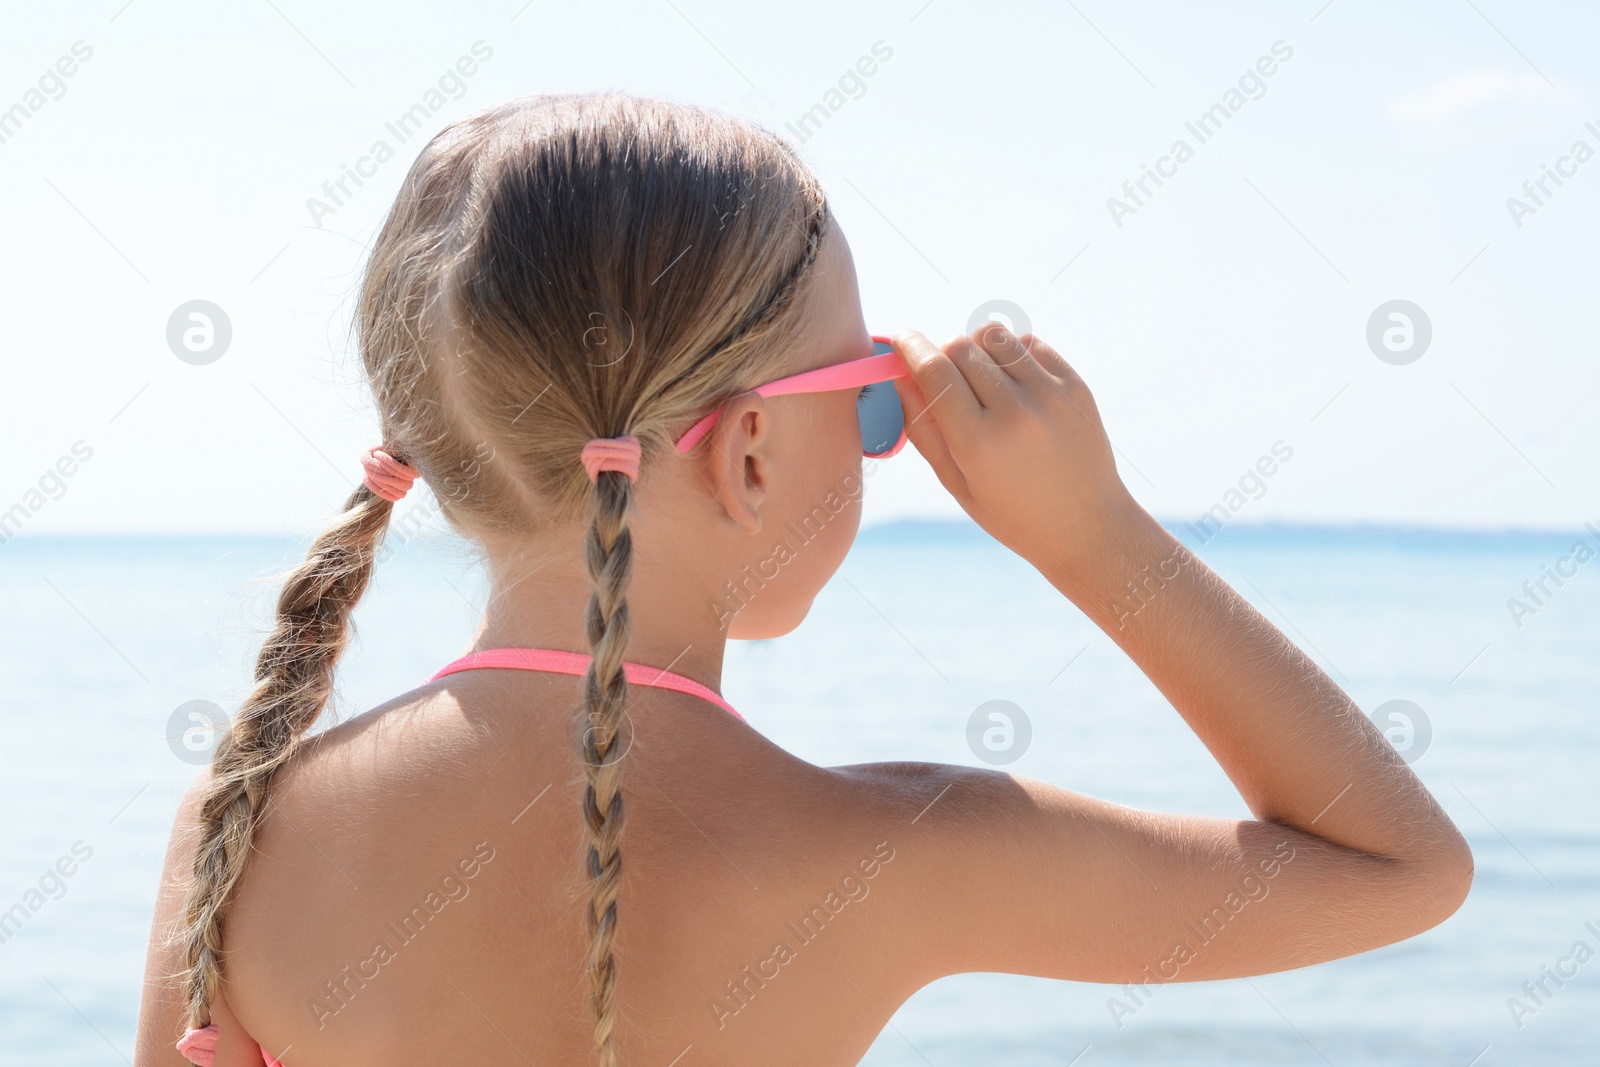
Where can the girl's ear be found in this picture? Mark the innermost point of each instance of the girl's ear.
(741, 459)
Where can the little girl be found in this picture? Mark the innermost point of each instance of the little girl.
(621, 341)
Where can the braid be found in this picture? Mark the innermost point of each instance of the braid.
(294, 678)
(609, 553)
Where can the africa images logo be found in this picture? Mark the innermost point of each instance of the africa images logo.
(1205, 126)
(336, 192)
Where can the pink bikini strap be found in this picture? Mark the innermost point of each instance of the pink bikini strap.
(544, 659)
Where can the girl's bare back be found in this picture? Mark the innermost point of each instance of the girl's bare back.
(417, 891)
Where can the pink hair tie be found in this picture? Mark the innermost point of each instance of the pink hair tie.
(199, 1046)
(612, 454)
(386, 476)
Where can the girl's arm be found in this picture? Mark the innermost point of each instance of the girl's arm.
(161, 1008)
(1348, 850)
(1299, 750)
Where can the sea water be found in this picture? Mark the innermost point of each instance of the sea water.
(104, 640)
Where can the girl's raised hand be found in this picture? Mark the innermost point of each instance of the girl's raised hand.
(1013, 433)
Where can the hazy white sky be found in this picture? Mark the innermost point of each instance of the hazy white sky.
(1219, 316)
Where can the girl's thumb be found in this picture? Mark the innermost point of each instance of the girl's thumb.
(923, 432)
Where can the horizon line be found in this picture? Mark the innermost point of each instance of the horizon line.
(905, 524)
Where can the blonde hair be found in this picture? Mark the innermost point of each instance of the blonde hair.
(554, 269)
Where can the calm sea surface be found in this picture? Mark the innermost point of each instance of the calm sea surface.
(102, 640)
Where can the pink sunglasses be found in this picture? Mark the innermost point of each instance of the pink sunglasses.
(883, 430)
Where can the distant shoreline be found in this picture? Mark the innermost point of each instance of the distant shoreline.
(915, 531)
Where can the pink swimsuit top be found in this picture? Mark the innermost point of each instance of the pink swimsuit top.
(199, 1046)
(544, 659)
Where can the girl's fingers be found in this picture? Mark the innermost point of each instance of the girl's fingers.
(991, 385)
(922, 430)
(942, 387)
(1048, 358)
(1028, 360)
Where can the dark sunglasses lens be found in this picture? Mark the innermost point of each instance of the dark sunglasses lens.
(878, 408)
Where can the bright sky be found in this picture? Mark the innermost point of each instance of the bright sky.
(1220, 317)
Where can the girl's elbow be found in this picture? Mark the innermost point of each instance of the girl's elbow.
(1442, 880)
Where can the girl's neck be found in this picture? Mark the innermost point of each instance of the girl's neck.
(546, 607)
